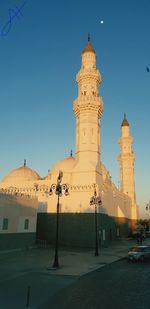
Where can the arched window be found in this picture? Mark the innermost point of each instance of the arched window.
(5, 224)
(26, 224)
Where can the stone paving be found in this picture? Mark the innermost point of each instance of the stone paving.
(76, 263)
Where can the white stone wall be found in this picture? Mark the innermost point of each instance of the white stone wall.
(78, 200)
(16, 209)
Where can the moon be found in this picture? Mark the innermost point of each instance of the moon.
(102, 21)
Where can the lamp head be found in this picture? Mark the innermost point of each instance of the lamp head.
(99, 202)
(50, 191)
(66, 191)
(58, 190)
(53, 187)
(91, 201)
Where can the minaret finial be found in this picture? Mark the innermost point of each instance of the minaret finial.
(71, 153)
(25, 162)
(88, 47)
(125, 122)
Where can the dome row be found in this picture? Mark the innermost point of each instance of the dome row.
(25, 173)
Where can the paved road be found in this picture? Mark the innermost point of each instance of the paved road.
(13, 292)
(23, 268)
(119, 285)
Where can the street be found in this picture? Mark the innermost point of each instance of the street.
(114, 284)
(119, 285)
(21, 269)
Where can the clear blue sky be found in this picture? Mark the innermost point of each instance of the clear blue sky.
(39, 58)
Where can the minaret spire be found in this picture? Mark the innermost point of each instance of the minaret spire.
(89, 48)
(125, 122)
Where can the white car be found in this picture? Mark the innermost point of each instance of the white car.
(139, 253)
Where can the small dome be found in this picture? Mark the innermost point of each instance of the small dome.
(125, 122)
(20, 175)
(65, 166)
(88, 47)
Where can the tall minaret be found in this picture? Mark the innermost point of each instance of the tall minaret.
(88, 108)
(126, 159)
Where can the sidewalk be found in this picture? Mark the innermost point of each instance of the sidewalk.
(79, 263)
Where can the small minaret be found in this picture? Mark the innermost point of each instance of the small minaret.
(126, 159)
(88, 108)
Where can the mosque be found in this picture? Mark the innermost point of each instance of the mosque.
(85, 170)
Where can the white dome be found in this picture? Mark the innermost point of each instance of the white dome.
(20, 175)
(65, 166)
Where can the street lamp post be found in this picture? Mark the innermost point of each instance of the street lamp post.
(58, 189)
(95, 200)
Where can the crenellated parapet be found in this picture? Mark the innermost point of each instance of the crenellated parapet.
(25, 190)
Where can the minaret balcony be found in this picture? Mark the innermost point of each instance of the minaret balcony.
(85, 75)
(88, 104)
(82, 99)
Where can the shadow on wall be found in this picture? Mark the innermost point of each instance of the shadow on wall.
(77, 230)
(18, 218)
